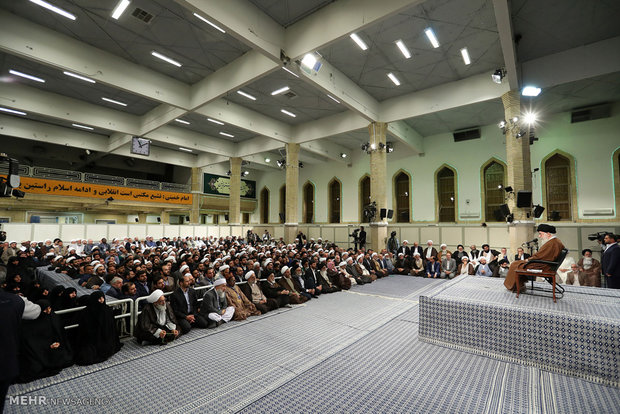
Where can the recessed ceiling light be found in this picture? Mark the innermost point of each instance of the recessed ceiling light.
(247, 95)
(290, 71)
(181, 121)
(79, 77)
(393, 79)
(343, 155)
(12, 111)
(114, 102)
(185, 149)
(83, 127)
(359, 41)
(403, 49)
(166, 58)
(309, 60)
(53, 8)
(332, 98)
(215, 121)
(267, 160)
(227, 134)
(120, 9)
(281, 90)
(465, 55)
(431, 37)
(209, 23)
(531, 91)
(284, 111)
(25, 75)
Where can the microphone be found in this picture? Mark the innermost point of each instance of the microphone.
(533, 241)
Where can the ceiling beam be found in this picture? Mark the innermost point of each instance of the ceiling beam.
(506, 39)
(158, 154)
(204, 160)
(329, 126)
(195, 141)
(258, 145)
(406, 135)
(326, 149)
(28, 40)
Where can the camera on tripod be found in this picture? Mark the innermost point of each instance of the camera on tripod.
(597, 236)
(8, 185)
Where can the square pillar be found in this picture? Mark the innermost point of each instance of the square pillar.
(234, 201)
(292, 192)
(194, 214)
(378, 171)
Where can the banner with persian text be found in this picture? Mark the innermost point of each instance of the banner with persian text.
(220, 185)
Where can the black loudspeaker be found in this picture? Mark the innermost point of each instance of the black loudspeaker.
(538, 210)
(524, 199)
(504, 210)
(159, 219)
(390, 214)
(186, 218)
(282, 218)
(383, 213)
(137, 220)
(498, 215)
(226, 217)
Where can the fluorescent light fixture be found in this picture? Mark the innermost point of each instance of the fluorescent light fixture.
(290, 71)
(185, 149)
(284, 111)
(393, 79)
(120, 9)
(332, 98)
(403, 49)
(215, 121)
(83, 127)
(209, 23)
(181, 121)
(166, 59)
(53, 8)
(74, 75)
(247, 95)
(359, 41)
(530, 118)
(12, 111)
(431, 37)
(25, 75)
(531, 91)
(465, 55)
(114, 102)
(267, 160)
(309, 60)
(227, 134)
(279, 91)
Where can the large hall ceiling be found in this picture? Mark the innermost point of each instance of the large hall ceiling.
(532, 39)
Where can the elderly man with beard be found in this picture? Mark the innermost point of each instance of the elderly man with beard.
(215, 306)
(550, 250)
(253, 291)
(276, 292)
(337, 278)
(327, 285)
(296, 292)
(157, 323)
(237, 299)
(590, 268)
(417, 265)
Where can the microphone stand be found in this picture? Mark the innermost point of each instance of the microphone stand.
(532, 246)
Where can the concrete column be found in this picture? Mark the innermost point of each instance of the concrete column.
(234, 201)
(142, 218)
(292, 192)
(519, 172)
(194, 214)
(164, 217)
(378, 167)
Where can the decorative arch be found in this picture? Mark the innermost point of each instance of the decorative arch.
(308, 192)
(334, 200)
(551, 176)
(491, 197)
(282, 212)
(446, 194)
(401, 196)
(615, 161)
(264, 205)
(363, 186)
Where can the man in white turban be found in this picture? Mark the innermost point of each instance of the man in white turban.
(157, 323)
(215, 306)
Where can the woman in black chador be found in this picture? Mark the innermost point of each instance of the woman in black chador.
(44, 349)
(97, 336)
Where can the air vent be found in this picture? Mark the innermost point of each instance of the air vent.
(143, 15)
(466, 134)
(290, 95)
(590, 113)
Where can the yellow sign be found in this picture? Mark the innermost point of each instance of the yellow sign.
(66, 188)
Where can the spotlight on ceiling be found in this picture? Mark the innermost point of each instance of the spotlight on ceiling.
(530, 91)
(530, 118)
(343, 155)
(245, 173)
(267, 159)
(281, 163)
(498, 75)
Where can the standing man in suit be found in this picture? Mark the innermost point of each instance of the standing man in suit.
(416, 248)
(610, 261)
(362, 237)
(185, 306)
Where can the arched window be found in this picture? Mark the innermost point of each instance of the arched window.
(308, 208)
(446, 197)
(558, 186)
(364, 192)
(264, 205)
(494, 176)
(282, 213)
(335, 194)
(401, 191)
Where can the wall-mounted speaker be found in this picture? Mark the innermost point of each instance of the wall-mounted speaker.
(538, 210)
(505, 211)
(159, 219)
(137, 220)
(282, 217)
(390, 214)
(524, 199)
(383, 213)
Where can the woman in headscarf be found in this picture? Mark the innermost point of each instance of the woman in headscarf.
(14, 284)
(55, 296)
(97, 336)
(44, 349)
(68, 298)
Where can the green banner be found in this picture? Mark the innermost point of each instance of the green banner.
(220, 185)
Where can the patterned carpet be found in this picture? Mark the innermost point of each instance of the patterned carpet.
(354, 351)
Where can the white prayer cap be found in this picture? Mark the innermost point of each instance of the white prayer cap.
(350, 259)
(322, 259)
(23, 249)
(226, 258)
(70, 259)
(284, 269)
(464, 258)
(416, 254)
(56, 258)
(429, 241)
(223, 267)
(256, 264)
(443, 245)
(249, 274)
(405, 241)
(154, 297)
(482, 258)
(342, 264)
(401, 254)
(374, 254)
(98, 266)
(136, 261)
(268, 261)
(360, 255)
(50, 254)
(94, 262)
(219, 281)
(184, 267)
(204, 259)
(169, 259)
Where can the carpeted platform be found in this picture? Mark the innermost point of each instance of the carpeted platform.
(355, 351)
(578, 335)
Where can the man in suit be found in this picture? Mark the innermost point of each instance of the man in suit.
(416, 248)
(521, 255)
(550, 250)
(361, 237)
(429, 251)
(311, 278)
(433, 269)
(185, 306)
(610, 262)
(448, 267)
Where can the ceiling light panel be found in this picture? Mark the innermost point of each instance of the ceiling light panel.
(210, 23)
(75, 75)
(166, 59)
(465, 56)
(25, 75)
(114, 102)
(284, 111)
(393, 78)
(430, 34)
(53, 8)
(358, 40)
(403, 49)
(280, 90)
(247, 95)
(120, 9)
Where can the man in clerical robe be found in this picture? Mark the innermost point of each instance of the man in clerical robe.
(550, 250)
(236, 298)
(157, 323)
(215, 306)
(590, 268)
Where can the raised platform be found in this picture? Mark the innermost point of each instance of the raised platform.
(579, 335)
